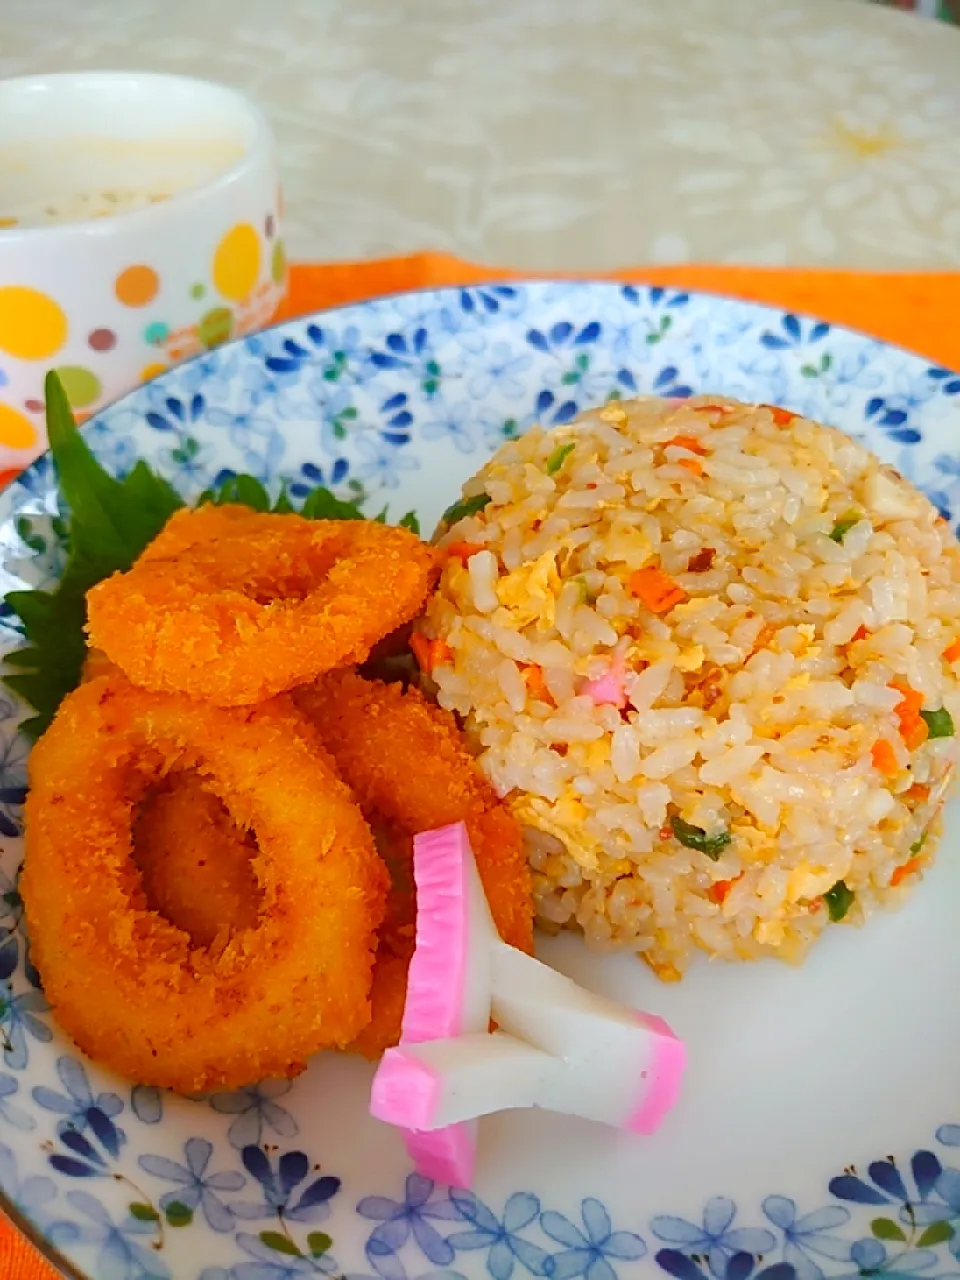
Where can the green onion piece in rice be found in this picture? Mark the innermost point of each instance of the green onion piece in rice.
(581, 582)
(465, 507)
(939, 722)
(839, 900)
(844, 525)
(558, 457)
(696, 838)
(410, 521)
(918, 844)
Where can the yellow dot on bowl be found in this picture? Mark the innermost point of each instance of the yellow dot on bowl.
(32, 325)
(137, 285)
(16, 429)
(81, 385)
(278, 267)
(151, 370)
(236, 263)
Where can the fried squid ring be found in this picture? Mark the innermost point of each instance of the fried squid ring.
(129, 986)
(233, 606)
(196, 863)
(406, 762)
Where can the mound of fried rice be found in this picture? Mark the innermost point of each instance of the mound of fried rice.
(778, 615)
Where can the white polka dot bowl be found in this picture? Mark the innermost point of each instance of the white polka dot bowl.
(139, 225)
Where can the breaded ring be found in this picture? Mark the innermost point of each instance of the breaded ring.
(233, 606)
(196, 863)
(406, 762)
(128, 985)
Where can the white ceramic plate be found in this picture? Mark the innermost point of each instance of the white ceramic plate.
(817, 1130)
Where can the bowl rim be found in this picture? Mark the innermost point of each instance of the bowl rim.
(259, 149)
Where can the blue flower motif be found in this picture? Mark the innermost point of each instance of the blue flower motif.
(212, 373)
(309, 1204)
(15, 1116)
(194, 1185)
(809, 1234)
(381, 464)
(892, 415)
(739, 1266)
(948, 464)
(795, 333)
(146, 1102)
(573, 377)
(176, 415)
(11, 904)
(310, 476)
(501, 1237)
(256, 1112)
(337, 356)
(396, 419)
(255, 434)
(120, 1255)
(9, 954)
(18, 1019)
(716, 1236)
(112, 438)
(502, 368)
(490, 299)
(949, 1135)
(948, 381)
(34, 1195)
(870, 1257)
(586, 1252)
(270, 1264)
(440, 313)
(886, 1184)
(455, 423)
(189, 462)
(292, 355)
(668, 382)
(413, 354)
(80, 1108)
(81, 1159)
(13, 771)
(261, 385)
(401, 1220)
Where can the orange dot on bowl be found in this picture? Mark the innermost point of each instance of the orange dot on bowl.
(236, 262)
(16, 429)
(151, 370)
(137, 285)
(32, 325)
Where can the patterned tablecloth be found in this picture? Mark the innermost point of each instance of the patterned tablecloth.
(559, 134)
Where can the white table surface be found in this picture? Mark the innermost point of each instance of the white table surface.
(569, 134)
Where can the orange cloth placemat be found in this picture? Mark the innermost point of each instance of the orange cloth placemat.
(919, 310)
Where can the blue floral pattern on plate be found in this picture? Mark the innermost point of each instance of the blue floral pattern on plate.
(397, 402)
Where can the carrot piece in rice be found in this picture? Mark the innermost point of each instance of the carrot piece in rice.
(782, 417)
(533, 679)
(656, 589)
(690, 443)
(691, 465)
(913, 728)
(429, 653)
(908, 868)
(462, 551)
(884, 757)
